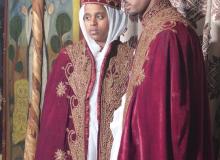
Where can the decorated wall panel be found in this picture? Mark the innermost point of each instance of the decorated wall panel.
(60, 29)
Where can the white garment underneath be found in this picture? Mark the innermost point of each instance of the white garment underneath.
(93, 121)
(116, 128)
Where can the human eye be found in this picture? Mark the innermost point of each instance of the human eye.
(100, 16)
(86, 18)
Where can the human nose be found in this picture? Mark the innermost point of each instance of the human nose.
(93, 21)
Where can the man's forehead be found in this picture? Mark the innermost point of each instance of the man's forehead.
(94, 8)
(111, 3)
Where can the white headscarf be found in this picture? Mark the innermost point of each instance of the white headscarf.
(117, 24)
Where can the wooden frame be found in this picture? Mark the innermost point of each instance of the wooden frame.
(5, 134)
(1, 63)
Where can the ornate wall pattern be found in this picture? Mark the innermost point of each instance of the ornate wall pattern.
(19, 57)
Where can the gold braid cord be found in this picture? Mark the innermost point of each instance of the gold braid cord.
(34, 109)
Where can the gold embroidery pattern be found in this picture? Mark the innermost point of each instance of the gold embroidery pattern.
(60, 155)
(149, 15)
(78, 73)
(114, 86)
(61, 89)
(161, 17)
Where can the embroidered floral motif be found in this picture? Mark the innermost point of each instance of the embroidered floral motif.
(140, 77)
(60, 155)
(169, 25)
(61, 89)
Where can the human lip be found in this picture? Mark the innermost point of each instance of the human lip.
(92, 32)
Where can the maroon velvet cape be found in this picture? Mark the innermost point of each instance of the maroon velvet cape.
(64, 125)
(168, 114)
(54, 121)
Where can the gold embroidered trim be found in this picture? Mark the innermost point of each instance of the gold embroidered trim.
(161, 17)
(148, 15)
(78, 74)
(114, 87)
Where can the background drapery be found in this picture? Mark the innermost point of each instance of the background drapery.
(205, 15)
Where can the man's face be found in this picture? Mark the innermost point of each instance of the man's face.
(134, 7)
(96, 22)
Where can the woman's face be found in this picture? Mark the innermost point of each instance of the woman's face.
(96, 22)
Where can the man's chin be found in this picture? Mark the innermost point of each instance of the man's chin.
(133, 14)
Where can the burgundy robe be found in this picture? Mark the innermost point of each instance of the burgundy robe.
(167, 110)
(64, 125)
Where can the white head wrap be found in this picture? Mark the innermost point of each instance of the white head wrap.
(117, 24)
